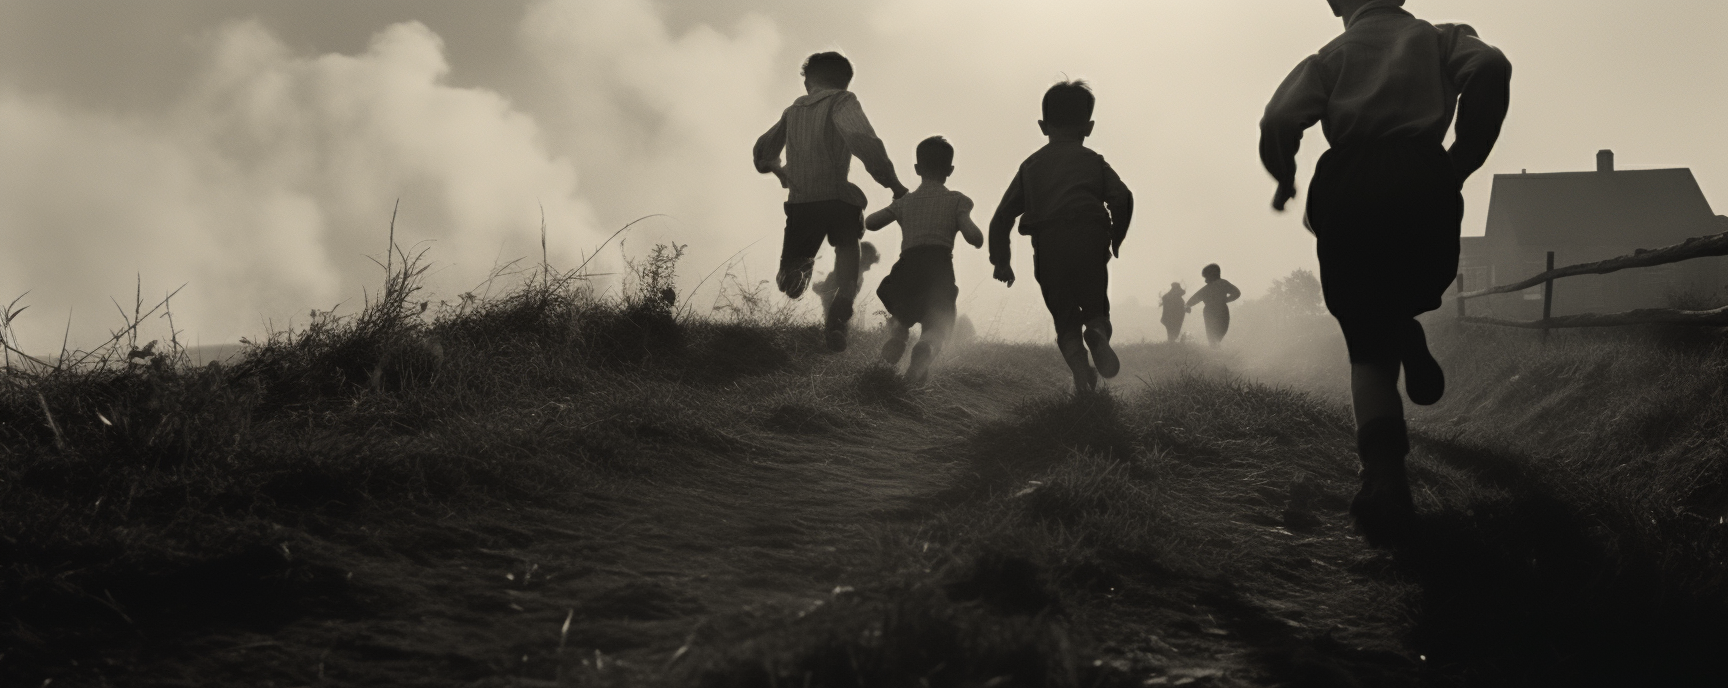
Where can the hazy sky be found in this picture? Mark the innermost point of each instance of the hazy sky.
(252, 150)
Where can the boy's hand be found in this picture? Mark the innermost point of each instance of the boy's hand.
(1005, 273)
(900, 190)
(780, 172)
(1286, 191)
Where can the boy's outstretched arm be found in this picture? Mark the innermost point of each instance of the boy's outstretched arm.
(879, 219)
(861, 140)
(968, 229)
(1297, 104)
(1013, 205)
(1484, 79)
(1120, 201)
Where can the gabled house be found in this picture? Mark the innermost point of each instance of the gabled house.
(1589, 216)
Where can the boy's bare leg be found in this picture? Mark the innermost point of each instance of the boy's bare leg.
(930, 342)
(1098, 340)
(895, 347)
(1073, 348)
(846, 257)
(1383, 508)
(1374, 392)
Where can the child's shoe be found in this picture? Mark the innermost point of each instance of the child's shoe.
(918, 371)
(1424, 381)
(1098, 340)
(793, 282)
(1383, 510)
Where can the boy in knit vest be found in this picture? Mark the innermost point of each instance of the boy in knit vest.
(1385, 208)
(920, 288)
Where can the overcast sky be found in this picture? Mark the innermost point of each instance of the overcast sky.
(252, 150)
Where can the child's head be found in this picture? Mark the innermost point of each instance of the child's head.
(1348, 8)
(829, 69)
(935, 159)
(1211, 272)
(867, 255)
(1068, 109)
(1176, 287)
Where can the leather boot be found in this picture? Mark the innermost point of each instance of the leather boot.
(1383, 509)
(1424, 381)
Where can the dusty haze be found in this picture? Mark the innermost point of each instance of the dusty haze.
(253, 150)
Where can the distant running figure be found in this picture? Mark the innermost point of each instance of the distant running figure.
(920, 288)
(820, 133)
(1175, 310)
(1386, 209)
(1076, 210)
(1217, 294)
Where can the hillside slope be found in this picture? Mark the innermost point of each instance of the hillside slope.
(553, 493)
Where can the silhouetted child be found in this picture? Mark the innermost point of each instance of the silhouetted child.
(1076, 210)
(1386, 209)
(821, 132)
(1217, 295)
(920, 289)
(1175, 310)
(829, 286)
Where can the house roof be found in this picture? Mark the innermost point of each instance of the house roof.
(1632, 208)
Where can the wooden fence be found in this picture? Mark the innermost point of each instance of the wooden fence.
(1696, 247)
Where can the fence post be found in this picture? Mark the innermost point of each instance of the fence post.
(1460, 297)
(1547, 297)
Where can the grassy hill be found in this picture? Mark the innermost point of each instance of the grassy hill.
(553, 489)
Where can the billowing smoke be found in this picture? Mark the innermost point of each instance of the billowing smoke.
(267, 184)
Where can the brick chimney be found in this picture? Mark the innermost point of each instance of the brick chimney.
(1604, 160)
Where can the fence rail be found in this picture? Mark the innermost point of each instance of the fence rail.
(1641, 316)
(1696, 247)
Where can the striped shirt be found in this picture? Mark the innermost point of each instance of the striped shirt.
(930, 216)
(820, 133)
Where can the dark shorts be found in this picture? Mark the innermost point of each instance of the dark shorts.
(1217, 322)
(807, 224)
(1386, 217)
(920, 288)
(1072, 266)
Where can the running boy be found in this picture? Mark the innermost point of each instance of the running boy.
(820, 132)
(1386, 209)
(1076, 210)
(920, 288)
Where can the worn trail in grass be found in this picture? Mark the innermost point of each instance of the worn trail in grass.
(814, 522)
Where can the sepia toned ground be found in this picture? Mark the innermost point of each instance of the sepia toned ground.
(628, 499)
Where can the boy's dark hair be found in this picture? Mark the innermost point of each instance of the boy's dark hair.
(1211, 271)
(935, 153)
(1068, 103)
(830, 68)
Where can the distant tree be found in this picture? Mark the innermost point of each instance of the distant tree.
(1296, 295)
